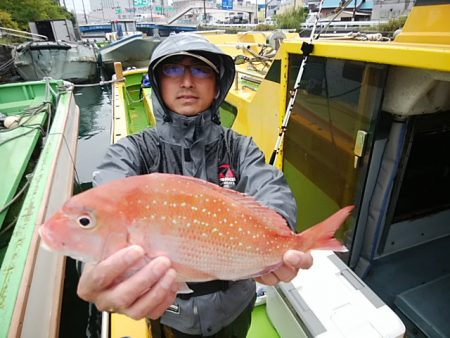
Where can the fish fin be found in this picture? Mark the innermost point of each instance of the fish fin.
(273, 219)
(321, 235)
(266, 270)
(183, 288)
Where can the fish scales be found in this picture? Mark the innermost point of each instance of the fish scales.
(207, 231)
(219, 230)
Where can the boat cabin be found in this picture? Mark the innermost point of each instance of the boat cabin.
(55, 30)
(370, 126)
(121, 29)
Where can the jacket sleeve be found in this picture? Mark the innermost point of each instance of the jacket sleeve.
(264, 182)
(122, 160)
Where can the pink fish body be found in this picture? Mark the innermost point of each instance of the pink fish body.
(208, 232)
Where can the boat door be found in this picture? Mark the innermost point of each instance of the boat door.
(369, 134)
(327, 145)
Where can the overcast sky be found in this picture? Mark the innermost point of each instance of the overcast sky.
(78, 5)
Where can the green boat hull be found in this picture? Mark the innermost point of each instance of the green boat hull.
(43, 148)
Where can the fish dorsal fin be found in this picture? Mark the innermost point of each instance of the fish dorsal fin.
(274, 220)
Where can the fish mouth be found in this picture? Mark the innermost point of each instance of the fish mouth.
(46, 239)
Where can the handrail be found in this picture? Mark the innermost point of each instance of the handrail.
(255, 77)
(21, 34)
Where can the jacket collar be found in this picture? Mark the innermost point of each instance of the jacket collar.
(188, 130)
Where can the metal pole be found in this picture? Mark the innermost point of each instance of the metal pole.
(84, 12)
(103, 11)
(256, 13)
(204, 11)
(105, 325)
(265, 9)
(293, 94)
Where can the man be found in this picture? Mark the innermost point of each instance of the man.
(190, 79)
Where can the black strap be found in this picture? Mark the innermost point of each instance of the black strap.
(307, 48)
(205, 288)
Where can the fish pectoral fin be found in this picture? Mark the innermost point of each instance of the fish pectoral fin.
(183, 288)
(266, 270)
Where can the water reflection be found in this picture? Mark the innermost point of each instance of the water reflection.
(95, 128)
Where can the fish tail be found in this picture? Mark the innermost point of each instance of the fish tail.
(321, 235)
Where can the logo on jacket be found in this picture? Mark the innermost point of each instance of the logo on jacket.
(227, 178)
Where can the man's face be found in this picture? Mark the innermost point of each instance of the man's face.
(188, 85)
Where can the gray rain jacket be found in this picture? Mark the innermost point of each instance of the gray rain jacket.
(199, 146)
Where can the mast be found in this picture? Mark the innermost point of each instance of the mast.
(84, 12)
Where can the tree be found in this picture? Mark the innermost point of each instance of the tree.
(24, 11)
(291, 18)
(7, 21)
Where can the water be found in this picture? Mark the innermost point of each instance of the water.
(95, 128)
(78, 318)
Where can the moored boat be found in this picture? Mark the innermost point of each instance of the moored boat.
(38, 137)
(61, 57)
(71, 61)
(133, 52)
(367, 127)
(128, 46)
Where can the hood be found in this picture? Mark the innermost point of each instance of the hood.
(196, 44)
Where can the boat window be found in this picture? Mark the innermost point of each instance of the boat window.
(228, 114)
(130, 27)
(337, 100)
(426, 181)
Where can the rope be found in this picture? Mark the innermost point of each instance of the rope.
(29, 113)
(101, 83)
(4, 242)
(344, 6)
(16, 197)
(6, 65)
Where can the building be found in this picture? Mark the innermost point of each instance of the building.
(357, 10)
(109, 10)
(210, 11)
(390, 9)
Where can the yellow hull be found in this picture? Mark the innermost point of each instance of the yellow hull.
(328, 142)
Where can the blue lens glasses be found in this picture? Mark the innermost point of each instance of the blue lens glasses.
(178, 70)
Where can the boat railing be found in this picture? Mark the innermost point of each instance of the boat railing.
(21, 34)
(354, 36)
(343, 24)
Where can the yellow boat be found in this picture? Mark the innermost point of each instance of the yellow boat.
(370, 126)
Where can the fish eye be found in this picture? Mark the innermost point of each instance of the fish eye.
(86, 222)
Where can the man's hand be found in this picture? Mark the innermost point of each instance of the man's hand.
(293, 261)
(146, 293)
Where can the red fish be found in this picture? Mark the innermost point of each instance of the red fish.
(208, 232)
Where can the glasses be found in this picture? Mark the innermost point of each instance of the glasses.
(178, 70)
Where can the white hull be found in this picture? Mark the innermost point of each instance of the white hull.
(70, 61)
(133, 51)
